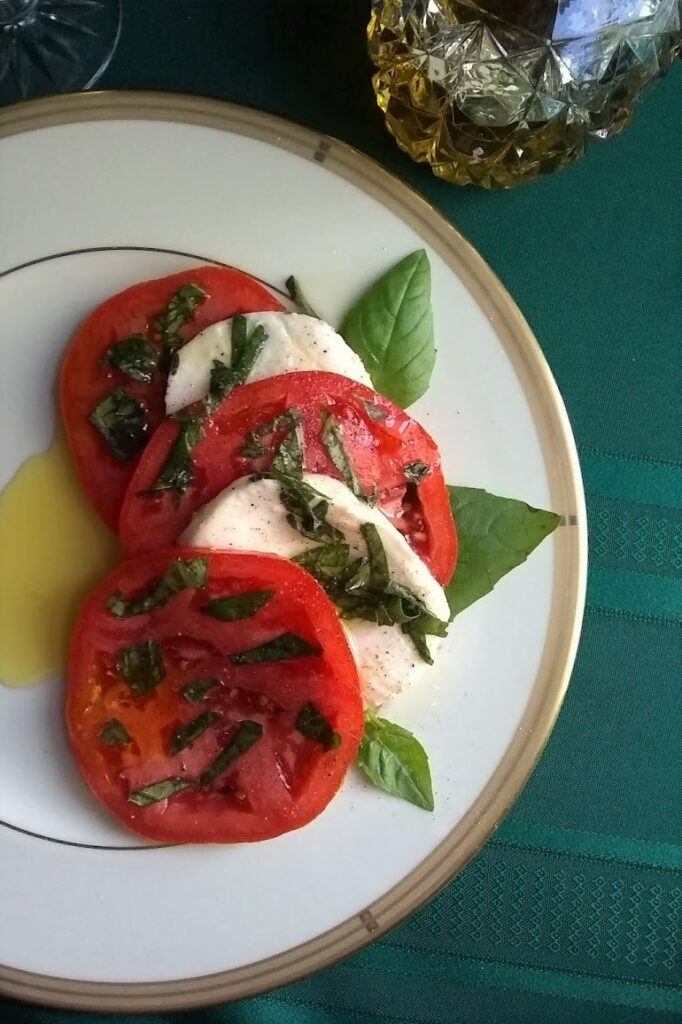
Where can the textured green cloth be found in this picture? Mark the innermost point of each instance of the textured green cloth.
(573, 911)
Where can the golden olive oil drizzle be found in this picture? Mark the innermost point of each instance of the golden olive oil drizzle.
(53, 549)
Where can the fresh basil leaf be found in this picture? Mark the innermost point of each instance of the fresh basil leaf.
(196, 691)
(187, 734)
(238, 336)
(331, 439)
(158, 791)
(222, 381)
(141, 666)
(396, 762)
(495, 535)
(178, 312)
(312, 724)
(391, 329)
(248, 353)
(135, 356)
(254, 446)
(280, 648)
(244, 738)
(306, 507)
(324, 562)
(183, 574)
(297, 296)
(122, 422)
(114, 734)
(379, 576)
(177, 472)
(416, 471)
(239, 606)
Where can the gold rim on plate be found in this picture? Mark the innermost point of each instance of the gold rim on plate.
(570, 571)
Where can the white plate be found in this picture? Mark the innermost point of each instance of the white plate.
(97, 192)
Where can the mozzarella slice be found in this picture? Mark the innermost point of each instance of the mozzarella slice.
(249, 516)
(294, 342)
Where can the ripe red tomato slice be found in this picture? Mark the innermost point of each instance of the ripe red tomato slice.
(392, 457)
(229, 711)
(86, 382)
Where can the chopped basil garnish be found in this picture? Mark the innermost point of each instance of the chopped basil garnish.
(196, 691)
(254, 446)
(244, 738)
(312, 724)
(307, 508)
(141, 666)
(183, 574)
(374, 411)
(159, 791)
(297, 296)
(222, 381)
(280, 648)
(177, 471)
(288, 459)
(239, 606)
(122, 422)
(114, 733)
(331, 439)
(177, 313)
(245, 351)
(135, 356)
(361, 588)
(416, 471)
(186, 735)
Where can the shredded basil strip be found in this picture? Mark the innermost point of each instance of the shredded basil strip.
(196, 691)
(114, 733)
(416, 471)
(245, 351)
(280, 648)
(297, 296)
(239, 606)
(374, 411)
(158, 791)
(177, 472)
(178, 312)
(312, 724)
(331, 439)
(122, 422)
(306, 507)
(135, 356)
(244, 738)
(141, 666)
(187, 734)
(254, 447)
(182, 574)
(325, 562)
(289, 457)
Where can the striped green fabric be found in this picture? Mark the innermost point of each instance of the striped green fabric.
(573, 910)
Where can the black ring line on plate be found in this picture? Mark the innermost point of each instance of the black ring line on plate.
(141, 248)
(80, 252)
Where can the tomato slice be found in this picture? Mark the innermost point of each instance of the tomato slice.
(393, 458)
(212, 696)
(86, 382)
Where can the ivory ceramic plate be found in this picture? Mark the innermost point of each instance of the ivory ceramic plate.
(100, 191)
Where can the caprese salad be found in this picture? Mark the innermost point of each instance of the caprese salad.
(289, 544)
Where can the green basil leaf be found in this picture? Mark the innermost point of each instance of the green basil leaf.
(288, 459)
(280, 648)
(254, 446)
(183, 574)
(244, 738)
(312, 724)
(196, 691)
(416, 471)
(239, 606)
(495, 535)
(187, 734)
(122, 422)
(249, 351)
(307, 508)
(177, 472)
(222, 381)
(331, 439)
(324, 562)
(396, 762)
(379, 577)
(141, 666)
(114, 733)
(177, 313)
(135, 356)
(159, 791)
(297, 296)
(391, 329)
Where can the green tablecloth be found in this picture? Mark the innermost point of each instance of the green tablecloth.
(573, 911)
